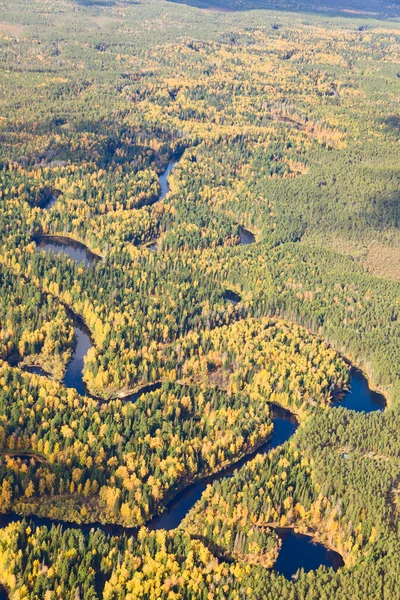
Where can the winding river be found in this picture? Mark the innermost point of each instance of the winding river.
(163, 178)
(297, 551)
(73, 377)
(78, 251)
(285, 424)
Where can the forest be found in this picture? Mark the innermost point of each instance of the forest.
(199, 248)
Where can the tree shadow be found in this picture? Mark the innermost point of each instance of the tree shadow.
(376, 9)
(384, 212)
(96, 3)
(104, 3)
(392, 123)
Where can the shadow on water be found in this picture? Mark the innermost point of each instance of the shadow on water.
(300, 551)
(146, 389)
(153, 246)
(3, 593)
(246, 236)
(51, 197)
(232, 297)
(359, 396)
(64, 245)
(36, 370)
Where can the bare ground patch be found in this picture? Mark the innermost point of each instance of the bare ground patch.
(12, 28)
(103, 21)
(384, 260)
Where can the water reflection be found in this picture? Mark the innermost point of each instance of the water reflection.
(62, 245)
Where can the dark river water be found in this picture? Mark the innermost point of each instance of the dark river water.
(73, 375)
(164, 185)
(78, 251)
(285, 425)
(63, 245)
(298, 551)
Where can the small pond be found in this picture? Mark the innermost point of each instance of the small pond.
(64, 245)
(359, 396)
(300, 551)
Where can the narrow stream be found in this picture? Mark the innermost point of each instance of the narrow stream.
(163, 179)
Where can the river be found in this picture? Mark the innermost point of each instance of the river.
(74, 374)
(297, 551)
(285, 425)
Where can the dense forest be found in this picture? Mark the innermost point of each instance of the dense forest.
(199, 227)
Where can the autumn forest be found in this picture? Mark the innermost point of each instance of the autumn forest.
(199, 300)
